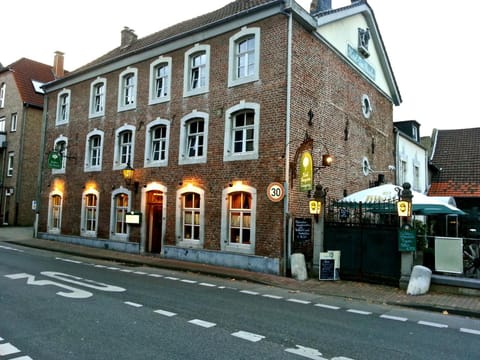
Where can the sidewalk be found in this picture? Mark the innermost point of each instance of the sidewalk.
(434, 300)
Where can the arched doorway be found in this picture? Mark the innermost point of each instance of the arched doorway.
(154, 217)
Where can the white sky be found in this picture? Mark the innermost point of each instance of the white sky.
(431, 44)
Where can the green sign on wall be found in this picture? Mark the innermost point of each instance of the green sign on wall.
(407, 238)
(54, 160)
(306, 171)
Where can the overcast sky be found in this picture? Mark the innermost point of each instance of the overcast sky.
(431, 44)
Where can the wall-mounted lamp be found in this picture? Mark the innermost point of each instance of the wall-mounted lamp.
(315, 204)
(128, 173)
(404, 205)
(327, 160)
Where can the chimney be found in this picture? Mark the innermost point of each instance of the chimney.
(128, 36)
(58, 70)
(320, 5)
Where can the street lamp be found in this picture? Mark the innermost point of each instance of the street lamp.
(404, 205)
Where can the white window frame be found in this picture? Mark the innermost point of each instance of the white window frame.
(234, 78)
(228, 150)
(153, 98)
(63, 107)
(187, 76)
(88, 151)
(149, 162)
(51, 210)
(226, 245)
(122, 88)
(13, 122)
(11, 159)
(85, 209)
(3, 124)
(179, 226)
(367, 108)
(3, 91)
(94, 95)
(117, 164)
(183, 159)
(64, 155)
(113, 215)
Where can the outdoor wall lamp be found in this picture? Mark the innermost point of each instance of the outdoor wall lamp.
(404, 205)
(128, 173)
(315, 204)
(327, 160)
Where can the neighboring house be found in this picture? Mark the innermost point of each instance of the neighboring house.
(21, 108)
(411, 156)
(225, 120)
(455, 160)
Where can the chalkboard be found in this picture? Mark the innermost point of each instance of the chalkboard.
(407, 239)
(302, 229)
(327, 269)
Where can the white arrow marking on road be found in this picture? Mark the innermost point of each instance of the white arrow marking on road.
(84, 282)
(8, 349)
(309, 353)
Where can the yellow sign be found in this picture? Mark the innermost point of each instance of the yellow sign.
(404, 208)
(315, 207)
(306, 171)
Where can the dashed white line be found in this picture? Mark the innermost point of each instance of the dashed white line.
(8, 349)
(155, 275)
(428, 323)
(171, 278)
(69, 260)
(306, 352)
(126, 270)
(207, 284)
(470, 331)
(325, 306)
(248, 336)
(249, 292)
(165, 313)
(132, 304)
(304, 302)
(202, 323)
(359, 312)
(276, 297)
(10, 248)
(140, 272)
(189, 281)
(391, 317)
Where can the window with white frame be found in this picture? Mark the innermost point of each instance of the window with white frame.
(60, 147)
(13, 122)
(120, 207)
(124, 146)
(193, 138)
(238, 219)
(2, 124)
(160, 75)
(157, 141)
(244, 57)
(190, 219)
(63, 107)
(402, 171)
(54, 222)
(94, 151)
(11, 157)
(98, 90)
(2, 94)
(89, 218)
(127, 89)
(242, 126)
(416, 178)
(197, 70)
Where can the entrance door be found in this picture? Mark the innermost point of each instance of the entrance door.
(154, 221)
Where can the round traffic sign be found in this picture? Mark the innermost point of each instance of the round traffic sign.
(275, 191)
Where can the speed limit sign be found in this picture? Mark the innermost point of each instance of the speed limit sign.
(275, 191)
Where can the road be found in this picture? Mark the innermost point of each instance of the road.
(55, 306)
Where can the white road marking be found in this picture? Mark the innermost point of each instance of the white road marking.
(69, 260)
(428, 323)
(207, 284)
(470, 331)
(390, 317)
(276, 297)
(132, 304)
(10, 248)
(202, 323)
(299, 301)
(22, 358)
(325, 306)
(248, 336)
(171, 278)
(8, 349)
(249, 292)
(155, 275)
(126, 270)
(99, 266)
(165, 313)
(360, 312)
(140, 272)
(189, 281)
(306, 352)
(112, 268)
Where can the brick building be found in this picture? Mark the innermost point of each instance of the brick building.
(21, 108)
(210, 113)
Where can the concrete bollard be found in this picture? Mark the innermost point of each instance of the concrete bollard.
(419, 282)
(299, 268)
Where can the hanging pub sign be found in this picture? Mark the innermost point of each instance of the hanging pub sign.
(306, 171)
(54, 160)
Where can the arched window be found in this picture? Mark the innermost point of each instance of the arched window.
(89, 218)
(54, 222)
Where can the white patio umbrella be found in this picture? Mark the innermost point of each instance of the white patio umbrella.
(388, 193)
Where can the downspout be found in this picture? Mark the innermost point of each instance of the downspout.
(20, 161)
(41, 164)
(286, 212)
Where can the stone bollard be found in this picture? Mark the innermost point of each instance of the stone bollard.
(299, 268)
(419, 282)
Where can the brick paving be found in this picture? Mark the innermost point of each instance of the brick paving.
(434, 300)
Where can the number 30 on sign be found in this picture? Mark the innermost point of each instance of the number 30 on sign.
(275, 191)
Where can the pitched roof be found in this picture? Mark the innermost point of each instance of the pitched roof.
(181, 29)
(456, 154)
(24, 72)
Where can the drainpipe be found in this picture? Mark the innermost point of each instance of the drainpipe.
(286, 211)
(20, 161)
